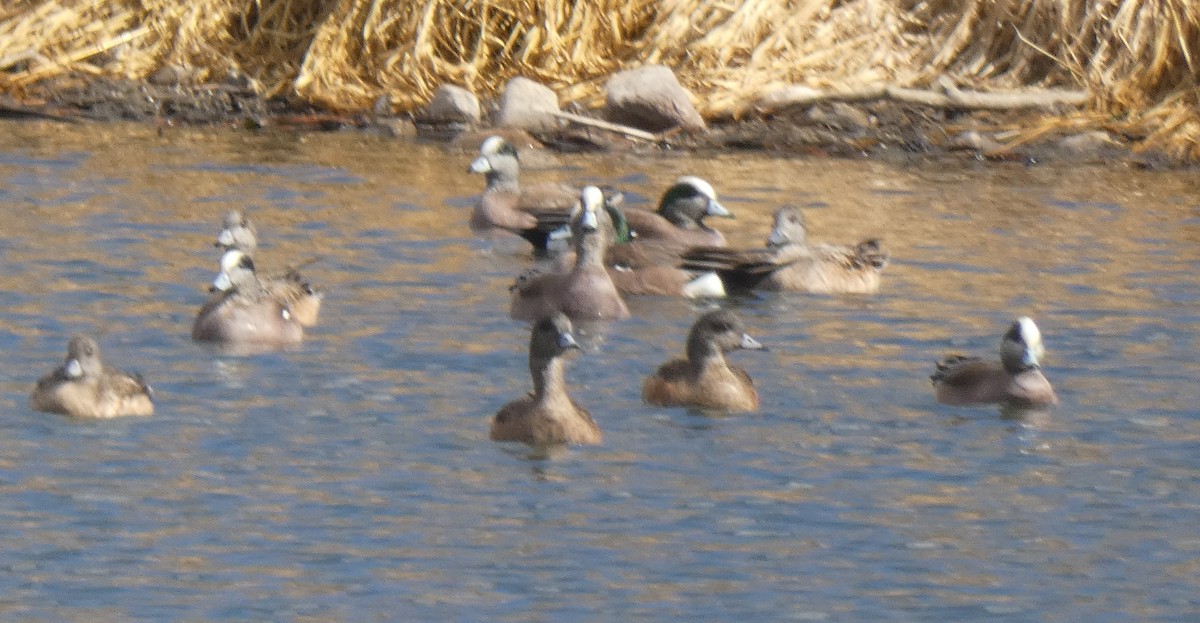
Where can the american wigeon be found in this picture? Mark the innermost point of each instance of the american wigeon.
(547, 415)
(237, 232)
(1016, 379)
(245, 314)
(585, 291)
(84, 387)
(703, 379)
(790, 262)
(289, 288)
(649, 262)
(648, 278)
(680, 216)
(530, 211)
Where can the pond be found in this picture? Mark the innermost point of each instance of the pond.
(352, 479)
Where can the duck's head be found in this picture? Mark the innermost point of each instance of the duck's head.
(236, 269)
(788, 227)
(83, 357)
(1021, 347)
(497, 158)
(689, 201)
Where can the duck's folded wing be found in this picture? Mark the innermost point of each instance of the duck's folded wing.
(547, 221)
(868, 254)
(738, 268)
(643, 253)
(959, 370)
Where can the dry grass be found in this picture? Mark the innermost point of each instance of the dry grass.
(1138, 57)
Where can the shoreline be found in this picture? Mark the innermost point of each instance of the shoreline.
(878, 129)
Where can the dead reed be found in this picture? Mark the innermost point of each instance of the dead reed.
(1137, 58)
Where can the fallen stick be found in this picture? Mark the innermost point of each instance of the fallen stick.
(605, 125)
(949, 97)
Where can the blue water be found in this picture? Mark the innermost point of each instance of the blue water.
(352, 479)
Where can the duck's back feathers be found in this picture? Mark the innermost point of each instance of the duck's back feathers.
(727, 388)
(524, 421)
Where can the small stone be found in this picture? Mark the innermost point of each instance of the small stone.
(452, 104)
(527, 105)
(842, 116)
(652, 99)
(171, 75)
(972, 140)
(1088, 143)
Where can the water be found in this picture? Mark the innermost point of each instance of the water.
(353, 479)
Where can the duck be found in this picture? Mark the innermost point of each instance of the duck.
(237, 232)
(289, 286)
(648, 264)
(84, 387)
(584, 291)
(547, 415)
(703, 378)
(243, 313)
(1016, 379)
(790, 262)
(530, 211)
(680, 216)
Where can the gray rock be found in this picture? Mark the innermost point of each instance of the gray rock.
(972, 140)
(451, 104)
(527, 105)
(1088, 143)
(172, 75)
(842, 116)
(650, 98)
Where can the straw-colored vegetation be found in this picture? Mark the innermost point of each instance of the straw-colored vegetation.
(1137, 58)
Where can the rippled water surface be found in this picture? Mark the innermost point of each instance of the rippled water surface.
(352, 479)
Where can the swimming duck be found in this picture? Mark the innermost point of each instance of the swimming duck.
(703, 379)
(585, 291)
(531, 211)
(1016, 379)
(649, 262)
(289, 286)
(245, 313)
(680, 216)
(790, 262)
(547, 415)
(237, 232)
(84, 387)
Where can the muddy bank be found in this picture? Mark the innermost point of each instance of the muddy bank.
(874, 129)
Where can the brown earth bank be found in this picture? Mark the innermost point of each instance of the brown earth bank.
(874, 129)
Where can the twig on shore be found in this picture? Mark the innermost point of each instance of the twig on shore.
(947, 96)
(605, 125)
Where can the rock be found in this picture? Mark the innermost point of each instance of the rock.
(1088, 143)
(972, 140)
(650, 98)
(172, 75)
(452, 104)
(527, 105)
(841, 116)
